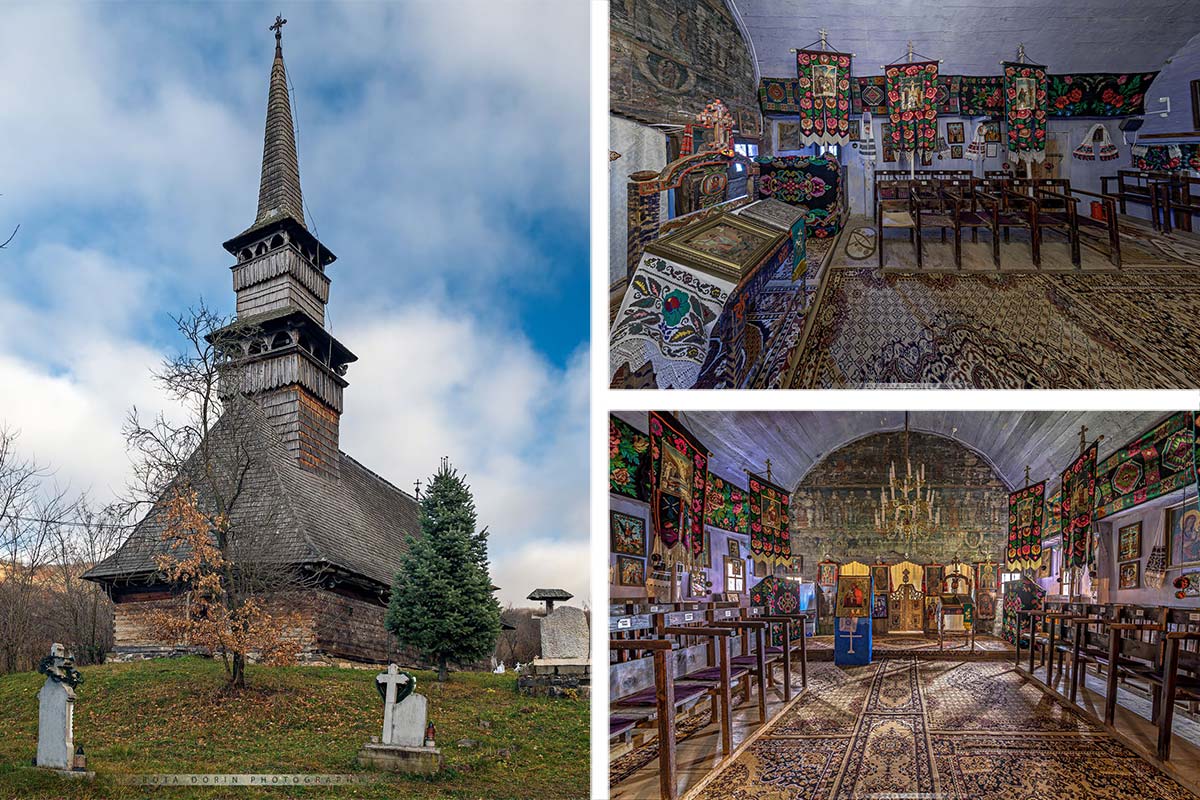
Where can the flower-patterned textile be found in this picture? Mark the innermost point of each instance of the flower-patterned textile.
(1100, 94)
(678, 489)
(628, 460)
(1025, 103)
(823, 95)
(666, 318)
(727, 506)
(770, 542)
(912, 105)
(1025, 596)
(814, 182)
(1078, 499)
(778, 597)
(981, 96)
(1166, 157)
(1026, 510)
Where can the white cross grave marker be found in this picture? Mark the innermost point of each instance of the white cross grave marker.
(392, 680)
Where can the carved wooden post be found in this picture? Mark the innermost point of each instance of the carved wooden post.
(642, 209)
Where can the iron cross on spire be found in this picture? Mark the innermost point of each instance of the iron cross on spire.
(278, 28)
(417, 484)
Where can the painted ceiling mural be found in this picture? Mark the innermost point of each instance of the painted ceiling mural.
(668, 58)
(833, 508)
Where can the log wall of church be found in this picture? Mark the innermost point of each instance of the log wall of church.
(668, 58)
(833, 508)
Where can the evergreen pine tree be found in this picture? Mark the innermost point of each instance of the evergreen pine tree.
(442, 603)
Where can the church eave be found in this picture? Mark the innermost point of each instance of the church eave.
(264, 229)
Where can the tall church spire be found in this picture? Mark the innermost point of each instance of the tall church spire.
(293, 367)
(279, 190)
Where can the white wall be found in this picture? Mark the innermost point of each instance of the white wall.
(641, 147)
(1152, 516)
(1174, 82)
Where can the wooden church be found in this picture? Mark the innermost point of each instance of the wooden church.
(903, 194)
(333, 521)
(971, 604)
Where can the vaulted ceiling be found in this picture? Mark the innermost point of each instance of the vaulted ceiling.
(795, 441)
(972, 37)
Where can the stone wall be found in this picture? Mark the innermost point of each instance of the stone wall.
(668, 58)
(832, 509)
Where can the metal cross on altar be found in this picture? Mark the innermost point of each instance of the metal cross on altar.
(850, 636)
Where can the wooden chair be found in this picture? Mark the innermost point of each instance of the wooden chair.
(1056, 209)
(657, 704)
(899, 212)
(782, 624)
(1138, 186)
(973, 210)
(1017, 210)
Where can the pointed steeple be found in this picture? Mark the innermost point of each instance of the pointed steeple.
(279, 190)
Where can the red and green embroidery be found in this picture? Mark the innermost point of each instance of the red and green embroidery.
(912, 93)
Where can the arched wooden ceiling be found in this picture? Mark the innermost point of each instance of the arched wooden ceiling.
(795, 441)
(973, 36)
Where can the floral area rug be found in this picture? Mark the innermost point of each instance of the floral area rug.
(905, 727)
(1120, 330)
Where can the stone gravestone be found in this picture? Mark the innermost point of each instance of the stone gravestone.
(407, 742)
(565, 634)
(563, 669)
(56, 710)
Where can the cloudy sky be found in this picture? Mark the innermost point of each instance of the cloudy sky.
(443, 157)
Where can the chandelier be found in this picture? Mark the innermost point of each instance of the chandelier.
(908, 507)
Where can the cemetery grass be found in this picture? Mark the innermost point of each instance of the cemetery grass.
(176, 716)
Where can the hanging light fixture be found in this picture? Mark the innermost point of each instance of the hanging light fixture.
(907, 506)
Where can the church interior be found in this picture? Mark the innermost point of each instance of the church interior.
(956, 604)
(906, 195)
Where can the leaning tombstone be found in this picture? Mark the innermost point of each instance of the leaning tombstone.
(407, 743)
(56, 712)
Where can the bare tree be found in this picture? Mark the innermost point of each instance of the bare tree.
(31, 513)
(82, 609)
(215, 449)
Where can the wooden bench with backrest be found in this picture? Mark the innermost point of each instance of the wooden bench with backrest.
(1138, 186)
(972, 210)
(1135, 652)
(1087, 640)
(719, 675)
(657, 704)
(1180, 201)
(1180, 676)
(753, 655)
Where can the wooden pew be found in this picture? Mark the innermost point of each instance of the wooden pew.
(719, 676)
(1135, 651)
(974, 211)
(659, 703)
(1179, 203)
(1180, 676)
(1138, 186)
(756, 661)
(1088, 641)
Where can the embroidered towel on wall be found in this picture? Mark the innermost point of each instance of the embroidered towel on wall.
(912, 105)
(977, 147)
(1096, 144)
(1025, 110)
(823, 94)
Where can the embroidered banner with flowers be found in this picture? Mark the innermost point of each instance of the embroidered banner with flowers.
(823, 94)
(678, 482)
(1155, 463)
(628, 460)
(1025, 110)
(1078, 500)
(1026, 510)
(1053, 526)
(727, 506)
(770, 542)
(912, 91)
(1098, 94)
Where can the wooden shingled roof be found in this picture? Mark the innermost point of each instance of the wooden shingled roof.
(357, 523)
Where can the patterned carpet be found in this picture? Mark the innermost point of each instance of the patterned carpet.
(951, 730)
(1124, 330)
